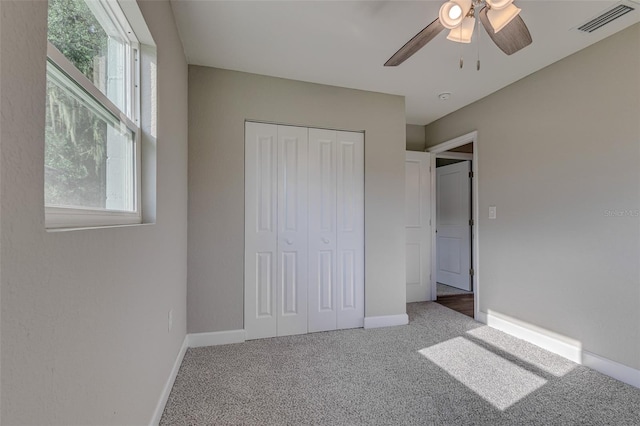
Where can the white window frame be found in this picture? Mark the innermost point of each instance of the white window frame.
(57, 217)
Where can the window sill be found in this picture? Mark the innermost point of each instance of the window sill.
(87, 228)
(59, 218)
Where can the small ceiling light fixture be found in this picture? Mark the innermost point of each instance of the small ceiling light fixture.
(463, 33)
(453, 12)
(444, 96)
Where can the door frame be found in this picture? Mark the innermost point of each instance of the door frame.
(439, 151)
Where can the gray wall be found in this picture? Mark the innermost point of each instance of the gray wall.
(415, 137)
(219, 103)
(84, 313)
(556, 150)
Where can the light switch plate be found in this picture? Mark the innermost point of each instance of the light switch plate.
(492, 212)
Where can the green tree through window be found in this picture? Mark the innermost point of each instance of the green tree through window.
(77, 34)
(76, 136)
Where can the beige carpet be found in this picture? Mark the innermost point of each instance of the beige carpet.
(442, 369)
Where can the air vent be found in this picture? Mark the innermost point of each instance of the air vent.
(605, 18)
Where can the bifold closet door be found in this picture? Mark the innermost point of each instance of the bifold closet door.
(350, 229)
(322, 230)
(275, 230)
(336, 230)
(292, 230)
(261, 232)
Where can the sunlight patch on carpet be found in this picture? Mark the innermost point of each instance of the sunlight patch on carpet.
(495, 379)
(545, 361)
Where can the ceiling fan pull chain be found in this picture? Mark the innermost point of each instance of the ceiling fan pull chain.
(478, 37)
(461, 50)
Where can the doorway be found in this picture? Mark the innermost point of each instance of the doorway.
(455, 210)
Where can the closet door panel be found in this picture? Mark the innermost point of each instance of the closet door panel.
(261, 230)
(350, 229)
(292, 230)
(322, 230)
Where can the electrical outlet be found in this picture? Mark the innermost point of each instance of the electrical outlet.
(170, 320)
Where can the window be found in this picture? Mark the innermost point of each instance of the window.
(92, 129)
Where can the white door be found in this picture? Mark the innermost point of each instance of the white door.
(336, 230)
(291, 291)
(453, 230)
(322, 230)
(418, 226)
(304, 230)
(350, 229)
(275, 230)
(261, 230)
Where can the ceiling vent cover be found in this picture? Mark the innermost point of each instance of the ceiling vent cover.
(605, 18)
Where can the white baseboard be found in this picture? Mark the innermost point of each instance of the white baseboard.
(545, 339)
(197, 340)
(164, 396)
(194, 340)
(386, 321)
(567, 349)
(614, 369)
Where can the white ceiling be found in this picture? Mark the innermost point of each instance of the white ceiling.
(345, 43)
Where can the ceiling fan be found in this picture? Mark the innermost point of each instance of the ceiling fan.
(500, 18)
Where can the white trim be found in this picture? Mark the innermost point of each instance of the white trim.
(437, 151)
(164, 396)
(455, 155)
(454, 143)
(614, 369)
(197, 340)
(386, 321)
(560, 345)
(112, 18)
(545, 339)
(134, 17)
(75, 218)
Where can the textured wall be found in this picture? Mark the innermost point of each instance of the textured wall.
(219, 103)
(558, 153)
(84, 313)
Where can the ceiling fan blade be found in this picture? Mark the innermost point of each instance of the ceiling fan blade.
(415, 44)
(510, 39)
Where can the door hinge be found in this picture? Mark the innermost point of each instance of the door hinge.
(471, 175)
(470, 222)
(471, 271)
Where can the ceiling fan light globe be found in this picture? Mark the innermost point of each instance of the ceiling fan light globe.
(500, 18)
(453, 12)
(498, 4)
(464, 32)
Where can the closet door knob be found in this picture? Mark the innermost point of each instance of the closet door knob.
(325, 240)
(288, 241)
